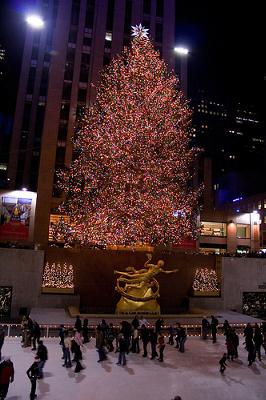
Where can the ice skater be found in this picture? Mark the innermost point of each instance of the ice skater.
(222, 363)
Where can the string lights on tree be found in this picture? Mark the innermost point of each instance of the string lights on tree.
(132, 165)
(58, 275)
(205, 280)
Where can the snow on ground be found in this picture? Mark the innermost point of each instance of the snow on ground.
(193, 375)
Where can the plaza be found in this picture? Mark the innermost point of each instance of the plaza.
(193, 375)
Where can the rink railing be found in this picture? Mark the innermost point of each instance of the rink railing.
(52, 330)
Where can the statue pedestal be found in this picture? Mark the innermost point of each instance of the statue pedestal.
(126, 306)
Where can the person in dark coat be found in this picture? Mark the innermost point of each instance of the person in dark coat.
(183, 338)
(36, 334)
(205, 328)
(6, 376)
(111, 335)
(251, 351)
(214, 324)
(258, 340)
(153, 339)
(223, 364)
(42, 353)
(85, 330)
(177, 337)
(33, 373)
(135, 322)
(248, 333)
(100, 343)
(170, 335)
(78, 324)
(144, 333)
(158, 325)
(122, 350)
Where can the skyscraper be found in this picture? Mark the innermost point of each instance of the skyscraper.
(59, 64)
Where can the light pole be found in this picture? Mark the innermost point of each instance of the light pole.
(182, 53)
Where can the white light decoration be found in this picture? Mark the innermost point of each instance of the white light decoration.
(140, 31)
(59, 276)
(35, 21)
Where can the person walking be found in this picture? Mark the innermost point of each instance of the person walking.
(161, 346)
(177, 337)
(223, 364)
(42, 353)
(2, 339)
(135, 322)
(6, 376)
(111, 334)
(33, 373)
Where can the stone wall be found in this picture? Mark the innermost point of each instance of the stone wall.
(22, 269)
(241, 275)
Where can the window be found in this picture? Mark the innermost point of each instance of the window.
(89, 14)
(84, 67)
(259, 205)
(26, 117)
(146, 6)
(70, 57)
(159, 33)
(264, 203)
(62, 131)
(159, 8)
(66, 91)
(75, 13)
(44, 82)
(110, 15)
(39, 120)
(31, 80)
(82, 94)
(243, 231)
(64, 112)
(87, 41)
(72, 38)
(34, 53)
(68, 71)
(213, 229)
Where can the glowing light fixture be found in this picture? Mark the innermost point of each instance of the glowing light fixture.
(35, 21)
(181, 50)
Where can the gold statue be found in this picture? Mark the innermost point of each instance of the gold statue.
(139, 289)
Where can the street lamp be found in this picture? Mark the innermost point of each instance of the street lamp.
(182, 52)
(35, 21)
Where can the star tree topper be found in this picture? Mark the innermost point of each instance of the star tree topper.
(140, 31)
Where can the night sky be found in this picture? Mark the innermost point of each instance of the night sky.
(227, 42)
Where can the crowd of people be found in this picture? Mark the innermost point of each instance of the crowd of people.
(137, 336)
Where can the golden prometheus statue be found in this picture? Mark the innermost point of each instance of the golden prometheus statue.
(139, 289)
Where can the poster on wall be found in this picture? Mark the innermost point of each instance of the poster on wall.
(14, 218)
(5, 301)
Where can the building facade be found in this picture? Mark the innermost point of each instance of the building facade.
(59, 64)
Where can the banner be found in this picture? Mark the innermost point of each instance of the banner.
(14, 218)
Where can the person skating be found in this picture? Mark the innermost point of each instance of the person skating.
(36, 334)
(205, 328)
(67, 349)
(135, 341)
(42, 353)
(153, 339)
(214, 324)
(258, 340)
(183, 338)
(78, 324)
(122, 350)
(33, 373)
(100, 343)
(6, 376)
(161, 346)
(222, 363)
(144, 332)
(85, 330)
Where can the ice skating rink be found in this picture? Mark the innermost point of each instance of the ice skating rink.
(193, 375)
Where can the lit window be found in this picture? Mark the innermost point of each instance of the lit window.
(264, 203)
(108, 36)
(259, 205)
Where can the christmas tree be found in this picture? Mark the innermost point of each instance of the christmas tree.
(130, 180)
